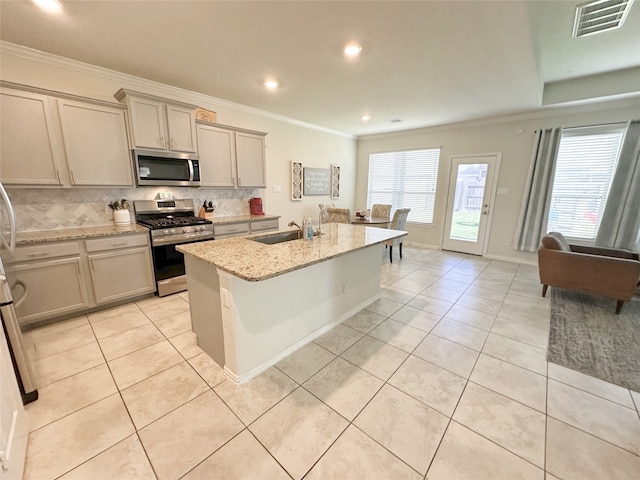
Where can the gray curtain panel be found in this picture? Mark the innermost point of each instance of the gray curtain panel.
(534, 211)
(620, 225)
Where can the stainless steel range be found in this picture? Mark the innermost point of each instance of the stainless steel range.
(171, 223)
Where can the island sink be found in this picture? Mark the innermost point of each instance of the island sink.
(278, 237)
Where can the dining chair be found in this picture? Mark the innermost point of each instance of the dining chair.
(339, 215)
(381, 210)
(324, 215)
(398, 223)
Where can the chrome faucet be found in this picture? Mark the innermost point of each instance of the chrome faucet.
(292, 223)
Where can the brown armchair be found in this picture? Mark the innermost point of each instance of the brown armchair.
(601, 271)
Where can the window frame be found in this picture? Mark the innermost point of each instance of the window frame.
(398, 192)
(565, 163)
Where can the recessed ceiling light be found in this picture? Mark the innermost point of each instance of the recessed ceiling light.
(395, 120)
(366, 118)
(352, 50)
(271, 84)
(52, 6)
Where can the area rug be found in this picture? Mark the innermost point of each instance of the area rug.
(586, 335)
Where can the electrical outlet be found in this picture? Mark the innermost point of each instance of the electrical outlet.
(346, 286)
(107, 210)
(276, 189)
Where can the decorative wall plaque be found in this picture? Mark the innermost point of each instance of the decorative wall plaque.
(335, 181)
(296, 181)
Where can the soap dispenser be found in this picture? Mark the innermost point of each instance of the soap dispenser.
(308, 229)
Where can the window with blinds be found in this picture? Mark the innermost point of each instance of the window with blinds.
(587, 159)
(405, 180)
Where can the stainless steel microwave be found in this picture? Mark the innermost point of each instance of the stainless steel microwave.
(166, 168)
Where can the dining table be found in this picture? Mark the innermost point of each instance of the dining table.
(371, 221)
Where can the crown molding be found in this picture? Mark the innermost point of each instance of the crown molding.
(549, 111)
(154, 88)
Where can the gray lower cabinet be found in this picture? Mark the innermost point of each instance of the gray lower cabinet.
(121, 274)
(51, 280)
(44, 286)
(121, 267)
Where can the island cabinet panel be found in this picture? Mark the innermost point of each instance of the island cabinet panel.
(50, 283)
(30, 149)
(231, 158)
(96, 145)
(262, 322)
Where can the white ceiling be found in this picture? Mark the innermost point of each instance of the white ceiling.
(424, 62)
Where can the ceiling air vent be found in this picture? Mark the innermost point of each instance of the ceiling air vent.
(600, 16)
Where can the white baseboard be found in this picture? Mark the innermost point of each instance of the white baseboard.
(510, 259)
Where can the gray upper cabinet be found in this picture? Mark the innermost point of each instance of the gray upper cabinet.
(231, 157)
(30, 148)
(250, 160)
(95, 142)
(159, 124)
(62, 140)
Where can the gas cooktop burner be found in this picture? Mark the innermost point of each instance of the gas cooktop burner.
(165, 222)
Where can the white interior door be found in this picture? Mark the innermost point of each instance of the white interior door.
(469, 204)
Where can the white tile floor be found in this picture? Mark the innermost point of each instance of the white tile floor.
(443, 377)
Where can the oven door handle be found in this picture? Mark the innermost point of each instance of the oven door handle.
(183, 238)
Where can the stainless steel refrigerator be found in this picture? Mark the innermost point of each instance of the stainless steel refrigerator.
(10, 324)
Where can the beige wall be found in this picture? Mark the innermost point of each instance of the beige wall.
(286, 140)
(512, 137)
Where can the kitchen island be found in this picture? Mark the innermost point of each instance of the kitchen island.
(253, 304)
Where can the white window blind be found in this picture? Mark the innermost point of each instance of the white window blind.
(405, 180)
(587, 159)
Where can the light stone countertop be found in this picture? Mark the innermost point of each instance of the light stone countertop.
(254, 261)
(77, 233)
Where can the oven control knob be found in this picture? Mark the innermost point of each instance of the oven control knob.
(200, 228)
(173, 230)
(166, 231)
(185, 229)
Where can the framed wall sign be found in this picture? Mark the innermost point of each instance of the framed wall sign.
(316, 181)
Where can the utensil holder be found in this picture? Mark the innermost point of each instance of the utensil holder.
(122, 217)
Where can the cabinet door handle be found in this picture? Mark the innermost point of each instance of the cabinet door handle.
(171, 143)
(121, 244)
(161, 141)
(58, 176)
(25, 293)
(38, 254)
(239, 181)
(72, 179)
(78, 268)
(90, 263)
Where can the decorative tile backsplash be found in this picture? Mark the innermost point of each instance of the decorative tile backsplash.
(55, 208)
